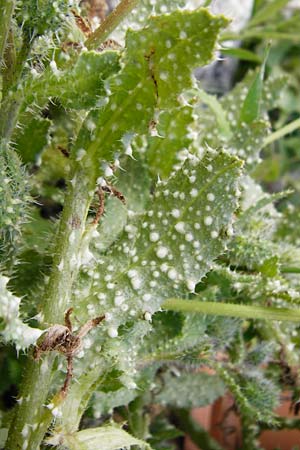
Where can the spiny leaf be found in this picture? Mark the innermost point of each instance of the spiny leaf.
(14, 195)
(78, 87)
(154, 72)
(252, 245)
(176, 241)
(248, 142)
(163, 150)
(248, 138)
(41, 16)
(118, 359)
(111, 437)
(239, 288)
(262, 204)
(248, 391)
(174, 336)
(12, 327)
(134, 184)
(142, 12)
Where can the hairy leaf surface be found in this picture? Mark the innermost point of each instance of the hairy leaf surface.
(111, 438)
(173, 245)
(154, 72)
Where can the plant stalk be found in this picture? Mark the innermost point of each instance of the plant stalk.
(110, 23)
(290, 269)
(260, 33)
(26, 430)
(287, 129)
(232, 310)
(32, 417)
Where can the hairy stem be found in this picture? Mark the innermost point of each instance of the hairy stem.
(232, 310)
(110, 23)
(27, 430)
(67, 260)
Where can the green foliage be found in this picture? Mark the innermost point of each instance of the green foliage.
(12, 327)
(149, 78)
(14, 196)
(169, 257)
(142, 202)
(41, 16)
(78, 87)
(111, 438)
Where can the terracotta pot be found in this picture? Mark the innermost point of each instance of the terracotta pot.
(223, 424)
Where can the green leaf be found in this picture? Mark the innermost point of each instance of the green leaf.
(163, 149)
(113, 368)
(134, 183)
(111, 437)
(263, 204)
(190, 390)
(218, 111)
(176, 242)
(246, 140)
(142, 12)
(256, 396)
(78, 87)
(242, 54)
(174, 336)
(12, 327)
(154, 72)
(251, 106)
(40, 16)
(14, 198)
(288, 230)
(252, 246)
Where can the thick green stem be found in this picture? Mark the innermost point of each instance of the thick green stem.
(38, 376)
(110, 23)
(27, 430)
(260, 33)
(290, 269)
(67, 255)
(6, 11)
(232, 310)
